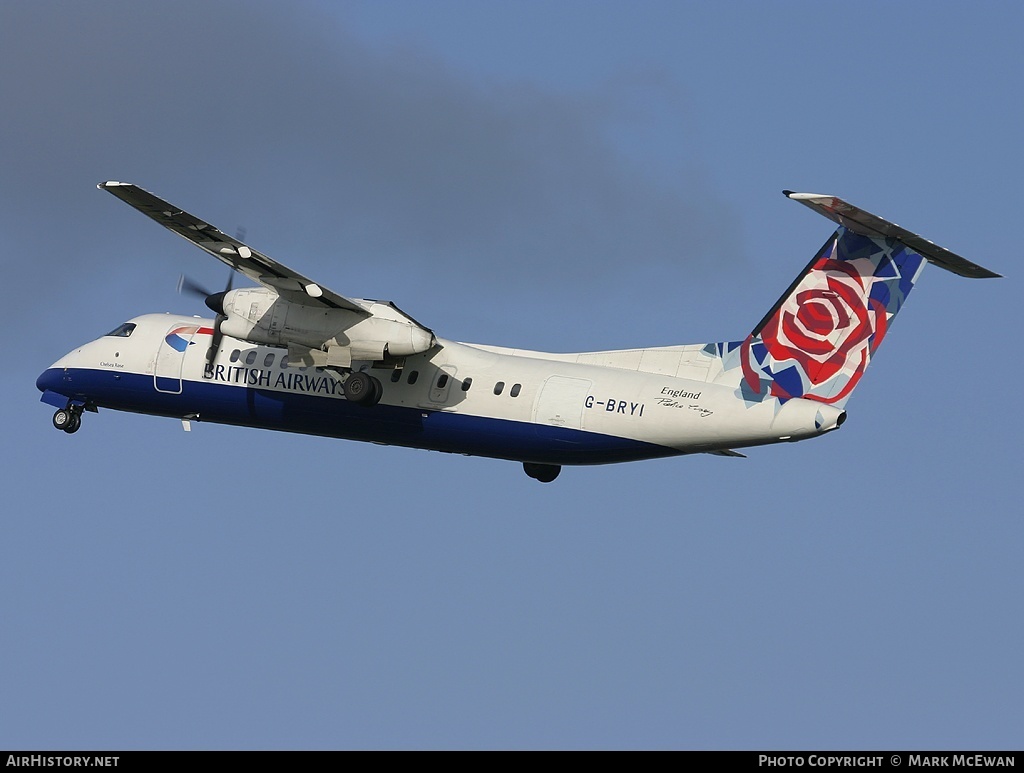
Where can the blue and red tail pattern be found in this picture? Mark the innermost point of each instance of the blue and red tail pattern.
(818, 340)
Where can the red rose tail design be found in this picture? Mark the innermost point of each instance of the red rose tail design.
(819, 338)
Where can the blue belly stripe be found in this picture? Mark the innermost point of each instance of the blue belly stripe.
(333, 417)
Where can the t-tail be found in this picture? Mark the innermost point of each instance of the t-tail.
(819, 338)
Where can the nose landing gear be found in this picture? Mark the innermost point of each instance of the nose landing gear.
(68, 419)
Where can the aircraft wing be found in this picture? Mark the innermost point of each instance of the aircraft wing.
(289, 284)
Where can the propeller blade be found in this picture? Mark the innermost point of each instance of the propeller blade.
(190, 286)
(215, 339)
(214, 302)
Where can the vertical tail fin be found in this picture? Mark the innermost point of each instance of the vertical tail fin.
(819, 338)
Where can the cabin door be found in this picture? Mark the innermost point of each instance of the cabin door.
(170, 358)
(561, 400)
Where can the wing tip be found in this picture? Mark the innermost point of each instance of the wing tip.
(796, 196)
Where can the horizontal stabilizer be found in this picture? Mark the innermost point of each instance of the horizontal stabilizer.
(872, 226)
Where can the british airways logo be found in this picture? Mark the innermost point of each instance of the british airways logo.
(180, 338)
(292, 381)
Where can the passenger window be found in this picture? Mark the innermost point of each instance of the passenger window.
(122, 331)
(413, 376)
(235, 355)
(514, 391)
(250, 357)
(396, 376)
(467, 384)
(499, 387)
(268, 360)
(442, 380)
(284, 361)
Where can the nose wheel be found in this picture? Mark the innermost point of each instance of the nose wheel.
(68, 419)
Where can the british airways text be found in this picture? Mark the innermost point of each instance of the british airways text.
(318, 383)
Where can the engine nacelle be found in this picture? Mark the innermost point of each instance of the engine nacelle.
(261, 316)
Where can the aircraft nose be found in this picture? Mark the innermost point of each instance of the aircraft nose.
(50, 379)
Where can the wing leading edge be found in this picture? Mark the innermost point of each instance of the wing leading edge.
(260, 268)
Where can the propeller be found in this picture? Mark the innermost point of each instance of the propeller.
(214, 302)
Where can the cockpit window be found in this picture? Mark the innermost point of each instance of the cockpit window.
(123, 331)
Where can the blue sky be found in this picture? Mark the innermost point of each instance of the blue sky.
(552, 175)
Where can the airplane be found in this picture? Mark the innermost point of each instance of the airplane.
(292, 355)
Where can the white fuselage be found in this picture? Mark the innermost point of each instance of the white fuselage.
(527, 406)
(294, 356)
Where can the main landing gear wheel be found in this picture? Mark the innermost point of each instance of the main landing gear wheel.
(363, 389)
(67, 420)
(545, 473)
